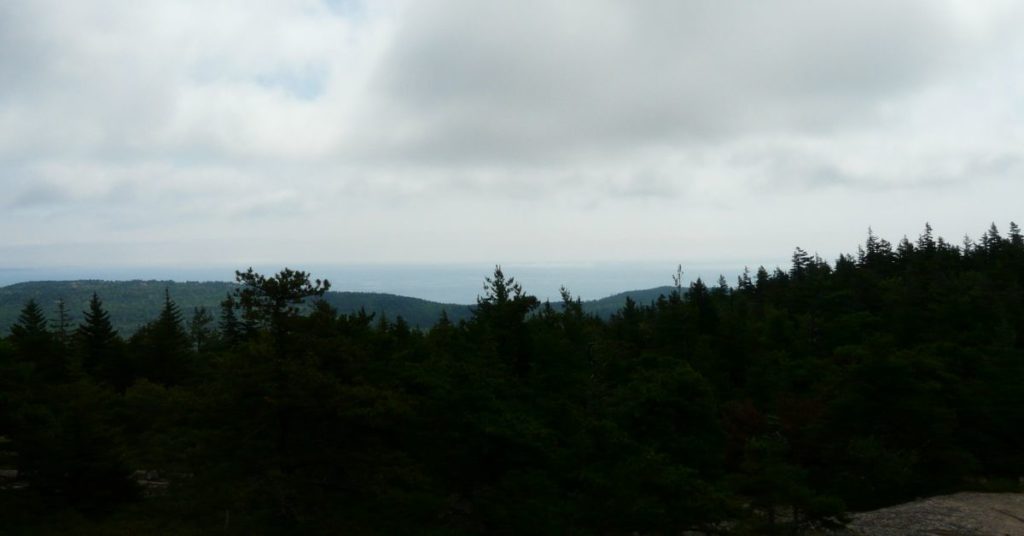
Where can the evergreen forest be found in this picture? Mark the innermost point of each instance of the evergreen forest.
(773, 404)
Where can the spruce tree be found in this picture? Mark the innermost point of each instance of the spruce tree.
(801, 261)
(926, 242)
(1016, 239)
(230, 327)
(762, 278)
(743, 281)
(62, 323)
(502, 311)
(991, 241)
(34, 343)
(199, 328)
(99, 347)
(167, 358)
(31, 322)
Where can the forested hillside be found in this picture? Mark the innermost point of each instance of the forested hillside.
(131, 304)
(770, 405)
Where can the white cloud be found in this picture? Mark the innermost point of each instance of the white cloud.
(467, 130)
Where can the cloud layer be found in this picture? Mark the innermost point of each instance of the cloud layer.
(458, 130)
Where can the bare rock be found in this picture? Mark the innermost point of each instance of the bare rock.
(960, 514)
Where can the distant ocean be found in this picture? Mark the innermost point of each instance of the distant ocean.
(456, 283)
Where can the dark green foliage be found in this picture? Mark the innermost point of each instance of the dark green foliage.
(201, 331)
(765, 408)
(418, 313)
(132, 304)
(62, 323)
(100, 351)
(66, 438)
(34, 344)
(501, 313)
(162, 349)
(273, 302)
(31, 322)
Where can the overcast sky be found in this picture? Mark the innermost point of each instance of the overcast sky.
(238, 132)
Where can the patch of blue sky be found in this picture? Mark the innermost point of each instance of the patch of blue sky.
(350, 9)
(305, 83)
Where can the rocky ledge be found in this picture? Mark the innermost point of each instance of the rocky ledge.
(960, 514)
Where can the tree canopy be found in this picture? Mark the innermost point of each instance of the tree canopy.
(768, 407)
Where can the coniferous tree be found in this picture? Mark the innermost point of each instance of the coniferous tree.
(800, 264)
(926, 242)
(69, 448)
(991, 241)
(100, 348)
(230, 327)
(34, 343)
(31, 322)
(722, 289)
(62, 323)
(272, 303)
(1016, 239)
(762, 278)
(743, 281)
(968, 246)
(763, 409)
(164, 346)
(904, 250)
(200, 329)
(503, 309)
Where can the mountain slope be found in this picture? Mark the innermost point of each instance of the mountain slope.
(606, 307)
(133, 303)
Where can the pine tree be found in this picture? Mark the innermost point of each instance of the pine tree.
(926, 242)
(31, 322)
(722, 289)
(845, 264)
(904, 250)
(272, 303)
(801, 262)
(62, 323)
(230, 327)
(503, 310)
(199, 328)
(34, 343)
(743, 281)
(166, 345)
(100, 349)
(677, 284)
(96, 336)
(1016, 239)
(969, 247)
(761, 278)
(991, 241)
(877, 252)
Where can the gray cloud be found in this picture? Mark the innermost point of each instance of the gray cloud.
(466, 130)
(477, 81)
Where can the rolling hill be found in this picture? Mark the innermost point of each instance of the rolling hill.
(133, 303)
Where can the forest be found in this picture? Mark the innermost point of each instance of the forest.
(772, 404)
(132, 304)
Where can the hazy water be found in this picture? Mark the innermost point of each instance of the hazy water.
(457, 283)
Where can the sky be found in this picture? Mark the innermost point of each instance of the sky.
(223, 132)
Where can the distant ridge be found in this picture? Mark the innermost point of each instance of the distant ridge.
(606, 307)
(130, 303)
(133, 303)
